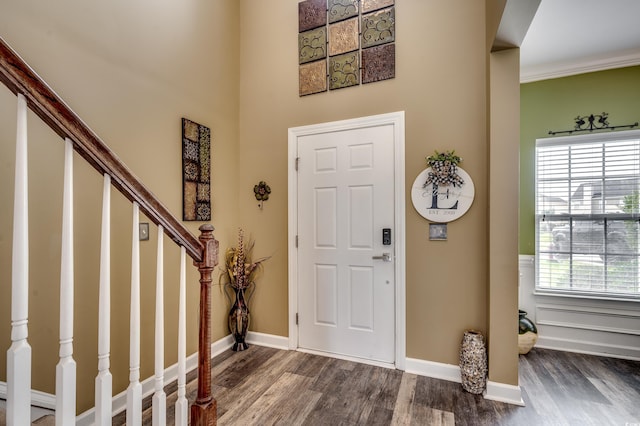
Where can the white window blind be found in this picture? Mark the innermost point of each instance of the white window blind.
(587, 194)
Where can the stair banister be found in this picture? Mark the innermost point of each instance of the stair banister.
(19, 354)
(18, 77)
(159, 398)
(44, 102)
(134, 391)
(104, 379)
(204, 410)
(66, 367)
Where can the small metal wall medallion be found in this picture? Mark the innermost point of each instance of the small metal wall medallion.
(261, 192)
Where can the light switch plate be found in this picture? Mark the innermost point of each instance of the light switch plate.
(143, 230)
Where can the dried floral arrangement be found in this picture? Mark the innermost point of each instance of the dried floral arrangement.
(240, 270)
(444, 169)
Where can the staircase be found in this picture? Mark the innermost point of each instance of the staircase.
(33, 93)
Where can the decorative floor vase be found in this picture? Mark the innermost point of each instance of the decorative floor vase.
(473, 362)
(239, 321)
(527, 333)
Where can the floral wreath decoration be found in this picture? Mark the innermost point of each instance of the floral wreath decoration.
(444, 169)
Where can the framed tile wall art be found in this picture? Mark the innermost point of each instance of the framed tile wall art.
(196, 171)
(344, 43)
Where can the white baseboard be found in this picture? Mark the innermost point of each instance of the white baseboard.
(436, 370)
(268, 340)
(495, 391)
(119, 402)
(589, 348)
(38, 398)
(501, 392)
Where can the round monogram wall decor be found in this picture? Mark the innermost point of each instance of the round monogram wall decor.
(439, 202)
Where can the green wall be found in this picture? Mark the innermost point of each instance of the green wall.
(552, 105)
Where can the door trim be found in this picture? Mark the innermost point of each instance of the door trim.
(396, 119)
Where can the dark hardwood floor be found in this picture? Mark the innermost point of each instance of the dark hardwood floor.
(264, 386)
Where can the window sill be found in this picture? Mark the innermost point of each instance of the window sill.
(576, 295)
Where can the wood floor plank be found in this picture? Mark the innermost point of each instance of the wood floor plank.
(310, 365)
(344, 402)
(268, 386)
(248, 391)
(372, 394)
(404, 401)
(389, 392)
(287, 401)
(242, 364)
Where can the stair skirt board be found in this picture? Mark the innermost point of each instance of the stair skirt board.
(38, 399)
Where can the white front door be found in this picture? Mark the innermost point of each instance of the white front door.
(346, 288)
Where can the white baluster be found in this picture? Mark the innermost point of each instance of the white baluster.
(66, 368)
(104, 379)
(159, 400)
(19, 354)
(181, 403)
(134, 391)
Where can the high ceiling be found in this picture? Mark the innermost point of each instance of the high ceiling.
(575, 36)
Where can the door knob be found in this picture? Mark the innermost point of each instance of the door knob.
(386, 257)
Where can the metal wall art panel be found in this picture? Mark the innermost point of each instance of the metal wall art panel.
(371, 5)
(338, 43)
(342, 9)
(378, 28)
(312, 45)
(379, 63)
(344, 70)
(343, 37)
(311, 14)
(196, 171)
(313, 77)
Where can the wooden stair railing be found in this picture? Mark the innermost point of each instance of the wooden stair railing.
(18, 77)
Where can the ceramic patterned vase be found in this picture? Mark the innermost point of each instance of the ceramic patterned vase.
(473, 362)
(239, 321)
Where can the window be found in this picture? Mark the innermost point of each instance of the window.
(587, 195)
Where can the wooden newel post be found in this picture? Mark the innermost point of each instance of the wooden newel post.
(204, 409)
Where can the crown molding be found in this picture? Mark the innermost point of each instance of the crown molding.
(565, 69)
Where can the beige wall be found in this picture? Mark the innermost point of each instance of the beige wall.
(503, 156)
(440, 83)
(131, 70)
(133, 74)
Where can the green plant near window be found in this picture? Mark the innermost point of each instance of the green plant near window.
(631, 203)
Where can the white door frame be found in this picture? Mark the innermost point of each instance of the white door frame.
(397, 120)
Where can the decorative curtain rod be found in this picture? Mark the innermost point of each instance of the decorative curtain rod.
(589, 123)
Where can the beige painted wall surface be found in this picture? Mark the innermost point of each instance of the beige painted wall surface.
(131, 71)
(503, 157)
(441, 85)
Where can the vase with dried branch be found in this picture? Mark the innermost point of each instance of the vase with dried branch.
(238, 280)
